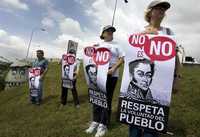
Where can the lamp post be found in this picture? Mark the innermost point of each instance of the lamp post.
(31, 37)
(113, 19)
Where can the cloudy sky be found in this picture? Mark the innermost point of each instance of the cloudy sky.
(82, 20)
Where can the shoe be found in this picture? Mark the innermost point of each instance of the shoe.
(37, 103)
(101, 130)
(92, 127)
(61, 106)
(77, 106)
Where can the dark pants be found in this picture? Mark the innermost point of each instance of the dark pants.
(65, 93)
(102, 115)
(135, 132)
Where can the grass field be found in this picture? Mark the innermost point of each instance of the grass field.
(19, 118)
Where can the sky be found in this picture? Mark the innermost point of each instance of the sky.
(82, 21)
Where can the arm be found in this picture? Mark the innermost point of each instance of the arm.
(45, 71)
(76, 73)
(177, 74)
(116, 65)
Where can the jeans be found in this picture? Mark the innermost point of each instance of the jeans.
(135, 132)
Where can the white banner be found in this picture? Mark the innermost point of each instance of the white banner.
(96, 64)
(34, 81)
(68, 66)
(147, 81)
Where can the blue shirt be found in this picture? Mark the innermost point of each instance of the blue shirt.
(43, 64)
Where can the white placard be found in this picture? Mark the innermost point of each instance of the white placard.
(146, 87)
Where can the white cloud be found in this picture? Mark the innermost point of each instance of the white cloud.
(55, 14)
(14, 4)
(48, 22)
(12, 46)
(182, 18)
(62, 42)
(52, 17)
(70, 26)
(16, 41)
(3, 33)
(11, 41)
(43, 2)
(16, 47)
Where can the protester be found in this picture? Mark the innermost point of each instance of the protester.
(42, 63)
(64, 91)
(101, 116)
(154, 15)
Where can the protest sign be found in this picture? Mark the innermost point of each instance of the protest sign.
(96, 64)
(145, 93)
(34, 81)
(69, 64)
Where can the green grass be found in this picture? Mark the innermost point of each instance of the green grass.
(19, 118)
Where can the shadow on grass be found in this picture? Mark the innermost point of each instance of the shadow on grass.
(82, 98)
(12, 98)
(114, 121)
(49, 99)
(177, 127)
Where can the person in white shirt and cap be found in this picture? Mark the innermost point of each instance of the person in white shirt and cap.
(154, 15)
(101, 116)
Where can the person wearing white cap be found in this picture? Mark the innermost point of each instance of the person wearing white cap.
(154, 15)
(101, 116)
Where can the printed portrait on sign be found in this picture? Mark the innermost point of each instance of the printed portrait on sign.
(141, 72)
(66, 69)
(32, 82)
(91, 71)
(72, 45)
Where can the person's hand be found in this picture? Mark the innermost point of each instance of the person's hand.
(75, 76)
(41, 77)
(111, 71)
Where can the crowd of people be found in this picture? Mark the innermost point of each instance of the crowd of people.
(100, 121)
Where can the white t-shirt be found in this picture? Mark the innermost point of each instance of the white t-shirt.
(116, 53)
(165, 31)
(168, 31)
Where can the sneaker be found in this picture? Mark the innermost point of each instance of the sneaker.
(77, 106)
(92, 127)
(61, 106)
(101, 130)
(37, 103)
